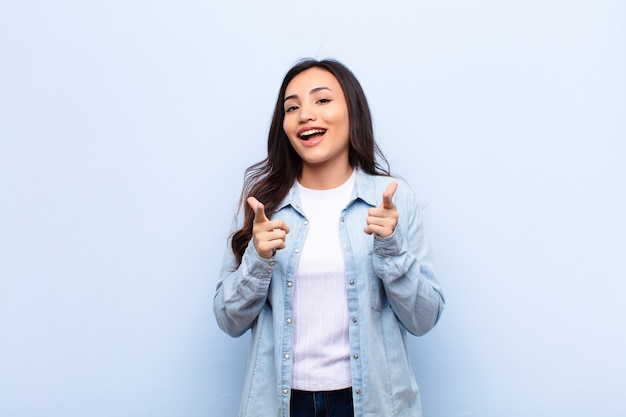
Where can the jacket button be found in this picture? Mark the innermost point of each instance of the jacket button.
(351, 282)
(289, 284)
(357, 392)
(356, 356)
(286, 356)
(289, 320)
(285, 391)
(296, 250)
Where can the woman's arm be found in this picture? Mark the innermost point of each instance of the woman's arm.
(241, 291)
(403, 261)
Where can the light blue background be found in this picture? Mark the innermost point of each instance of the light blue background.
(125, 128)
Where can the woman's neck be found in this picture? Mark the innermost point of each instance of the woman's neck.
(323, 177)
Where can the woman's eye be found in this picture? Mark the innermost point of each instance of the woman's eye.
(290, 108)
(323, 100)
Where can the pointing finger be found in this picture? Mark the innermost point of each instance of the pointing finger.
(388, 195)
(259, 210)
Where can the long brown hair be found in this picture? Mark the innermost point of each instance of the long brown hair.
(270, 179)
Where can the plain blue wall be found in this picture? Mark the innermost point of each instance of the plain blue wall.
(125, 128)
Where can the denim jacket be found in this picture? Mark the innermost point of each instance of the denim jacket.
(392, 288)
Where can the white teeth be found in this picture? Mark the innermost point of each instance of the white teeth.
(312, 132)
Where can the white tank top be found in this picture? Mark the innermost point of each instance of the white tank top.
(321, 357)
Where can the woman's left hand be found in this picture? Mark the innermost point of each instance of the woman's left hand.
(383, 220)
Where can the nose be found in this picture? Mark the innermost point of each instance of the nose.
(307, 113)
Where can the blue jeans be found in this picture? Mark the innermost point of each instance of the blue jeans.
(322, 403)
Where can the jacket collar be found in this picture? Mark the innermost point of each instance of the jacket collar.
(365, 188)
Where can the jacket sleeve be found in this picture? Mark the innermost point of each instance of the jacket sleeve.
(404, 263)
(242, 291)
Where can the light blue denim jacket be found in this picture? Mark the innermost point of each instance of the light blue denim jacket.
(392, 288)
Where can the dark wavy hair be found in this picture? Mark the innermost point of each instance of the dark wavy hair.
(270, 179)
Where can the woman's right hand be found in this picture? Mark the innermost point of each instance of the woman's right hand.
(268, 235)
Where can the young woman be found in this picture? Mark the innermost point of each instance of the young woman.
(330, 265)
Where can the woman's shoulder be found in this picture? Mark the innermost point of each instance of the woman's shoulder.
(404, 193)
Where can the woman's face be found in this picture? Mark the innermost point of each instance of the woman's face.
(316, 119)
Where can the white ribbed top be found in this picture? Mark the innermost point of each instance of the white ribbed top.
(321, 357)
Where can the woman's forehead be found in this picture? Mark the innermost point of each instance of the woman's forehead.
(311, 80)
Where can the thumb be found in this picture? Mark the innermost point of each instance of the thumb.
(259, 210)
(388, 195)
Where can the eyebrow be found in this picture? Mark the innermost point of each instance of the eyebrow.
(315, 90)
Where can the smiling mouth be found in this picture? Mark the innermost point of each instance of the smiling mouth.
(308, 134)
